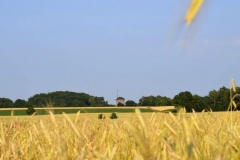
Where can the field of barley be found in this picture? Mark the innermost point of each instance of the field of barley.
(137, 135)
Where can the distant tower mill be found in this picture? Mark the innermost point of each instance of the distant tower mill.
(119, 99)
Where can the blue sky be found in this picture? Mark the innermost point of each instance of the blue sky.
(134, 46)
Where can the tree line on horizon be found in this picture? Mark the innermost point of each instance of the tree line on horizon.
(216, 100)
(55, 99)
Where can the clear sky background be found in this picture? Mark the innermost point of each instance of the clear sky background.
(99, 46)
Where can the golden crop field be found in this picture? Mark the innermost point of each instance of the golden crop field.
(149, 136)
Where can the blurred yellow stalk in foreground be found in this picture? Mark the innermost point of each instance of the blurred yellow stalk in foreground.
(193, 10)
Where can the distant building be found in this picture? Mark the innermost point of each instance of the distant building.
(121, 100)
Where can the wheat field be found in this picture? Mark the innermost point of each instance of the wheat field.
(148, 136)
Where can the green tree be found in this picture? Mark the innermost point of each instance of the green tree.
(220, 99)
(155, 101)
(147, 101)
(101, 116)
(66, 99)
(163, 101)
(208, 102)
(6, 103)
(130, 103)
(20, 103)
(113, 116)
(184, 99)
(214, 96)
(92, 101)
(224, 98)
(30, 110)
(198, 103)
(120, 104)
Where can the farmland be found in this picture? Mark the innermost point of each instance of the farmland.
(70, 110)
(135, 135)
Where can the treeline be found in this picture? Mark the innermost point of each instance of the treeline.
(58, 99)
(155, 101)
(216, 100)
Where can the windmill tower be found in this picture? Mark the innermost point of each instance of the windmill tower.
(119, 100)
